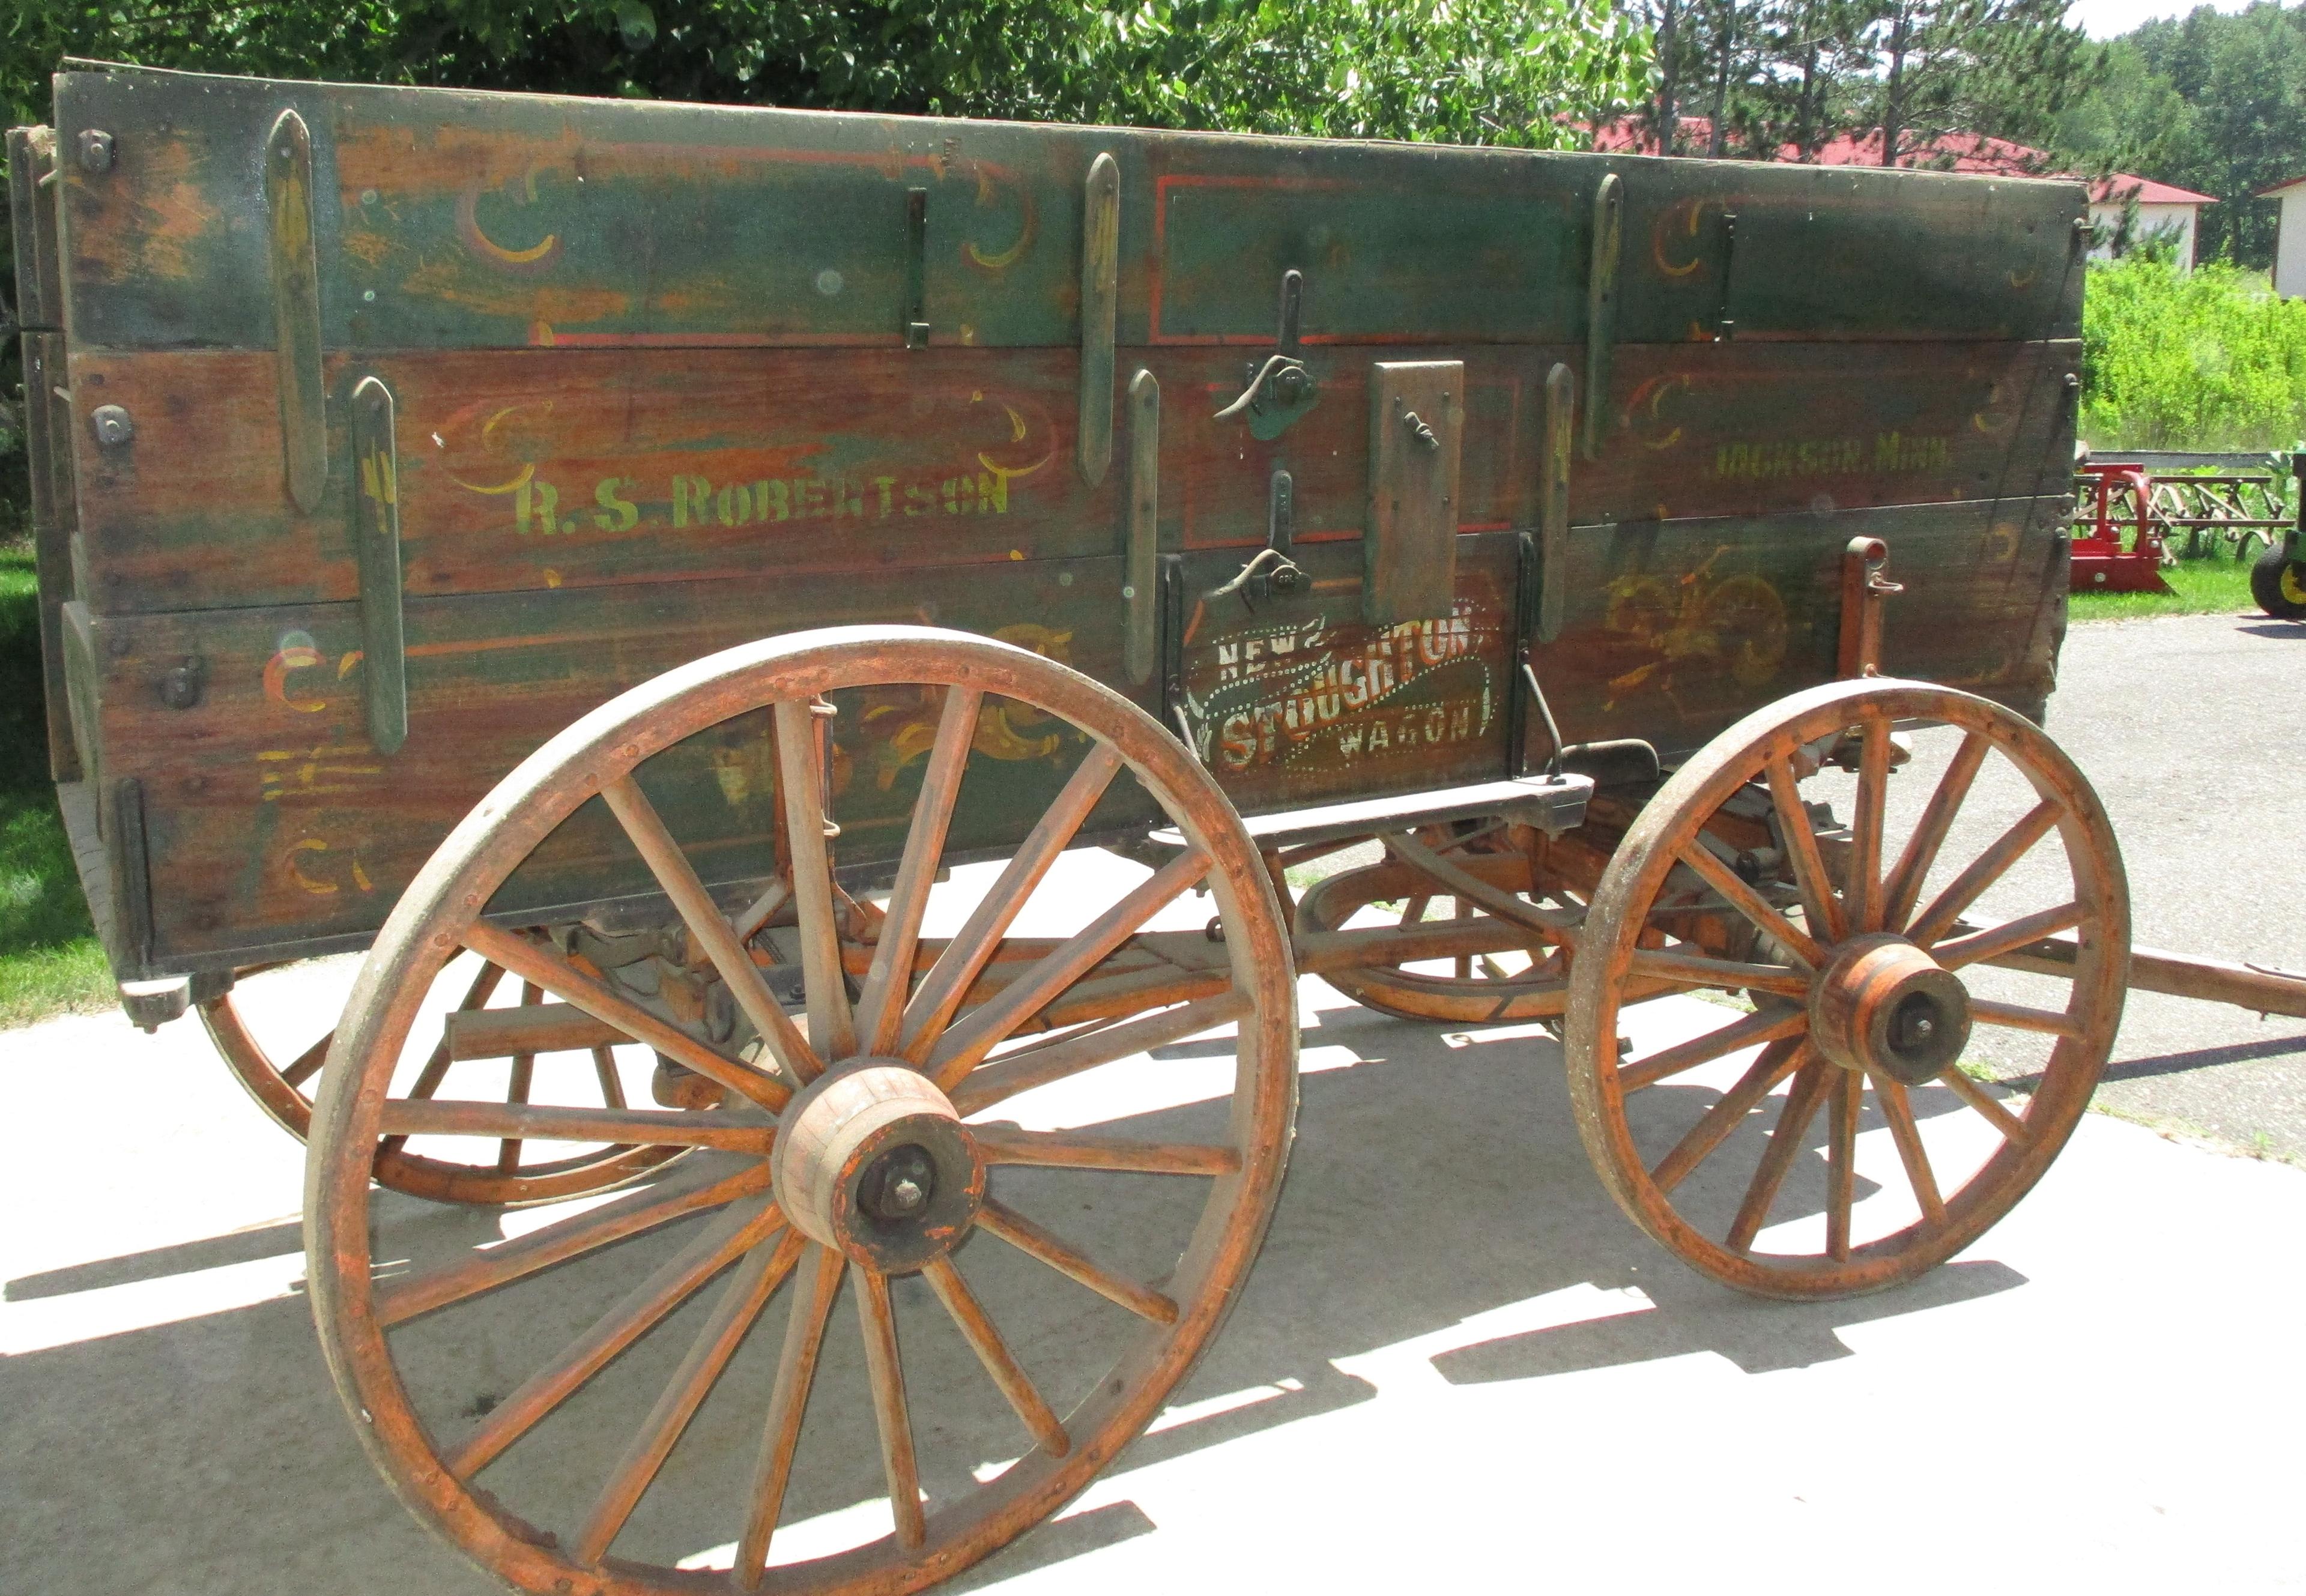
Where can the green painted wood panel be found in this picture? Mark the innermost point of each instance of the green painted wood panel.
(455, 219)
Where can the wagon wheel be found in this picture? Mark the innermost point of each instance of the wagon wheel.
(511, 1175)
(1862, 998)
(1516, 979)
(873, 1171)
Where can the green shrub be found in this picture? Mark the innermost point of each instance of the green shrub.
(2201, 360)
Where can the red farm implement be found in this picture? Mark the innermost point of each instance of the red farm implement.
(2137, 512)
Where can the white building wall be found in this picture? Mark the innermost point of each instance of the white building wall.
(2290, 244)
(2151, 219)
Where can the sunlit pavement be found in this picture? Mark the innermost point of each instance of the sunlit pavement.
(1456, 1364)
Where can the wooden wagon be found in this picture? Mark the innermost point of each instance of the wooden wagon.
(684, 588)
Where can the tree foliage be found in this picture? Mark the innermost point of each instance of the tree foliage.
(2213, 102)
(1778, 79)
(1488, 72)
(2207, 359)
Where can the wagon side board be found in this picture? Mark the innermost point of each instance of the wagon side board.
(270, 822)
(643, 381)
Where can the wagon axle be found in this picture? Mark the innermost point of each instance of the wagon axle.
(1885, 1004)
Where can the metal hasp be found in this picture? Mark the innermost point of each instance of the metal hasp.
(1601, 305)
(916, 261)
(376, 534)
(1553, 502)
(1141, 572)
(1417, 424)
(1279, 389)
(296, 310)
(1271, 571)
(1863, 589)
(1100, 299)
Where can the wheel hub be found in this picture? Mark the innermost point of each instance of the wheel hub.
(1882, 1003)
(871, 1159)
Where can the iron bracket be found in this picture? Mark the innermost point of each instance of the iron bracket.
(1279, 389)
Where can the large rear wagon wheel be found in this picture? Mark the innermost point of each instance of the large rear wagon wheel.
(1496, 985)
(1859, 980)
(854, 1154)
(510, 1174)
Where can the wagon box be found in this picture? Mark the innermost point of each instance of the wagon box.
(615, 562)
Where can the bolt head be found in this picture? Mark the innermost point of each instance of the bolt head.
(96, 150)
(111, 425)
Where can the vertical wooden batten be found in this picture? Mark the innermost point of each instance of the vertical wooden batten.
(376, 527)
(1553, 502)
(296, 309)
(1139, 573)
(1100, 278)
(1601, 305)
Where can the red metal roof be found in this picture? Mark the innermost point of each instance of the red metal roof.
(2267, 193)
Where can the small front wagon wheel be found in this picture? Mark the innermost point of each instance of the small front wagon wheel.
(932, 1136)
(1859, 975)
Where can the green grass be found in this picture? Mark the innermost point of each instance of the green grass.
(49, 960)
(2213, 585)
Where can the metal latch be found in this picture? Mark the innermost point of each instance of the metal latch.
(1272, 571)
(1280, 388)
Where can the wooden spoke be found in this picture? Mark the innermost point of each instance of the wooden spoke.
(940, 991)
(1810, 1083)
(673, 1283)
(819, 1274)
(1921, 851)
(1863, 893)
(1841, 1161)
(1767, 1025)
(832, 1030)
(984, 1027)
(549, 970)
(976, 1328)
(1412, 910)
(1984, 871)
(1030, 1238)
(714, 933)
(1081, 1150)
(308, 1062)
(1028, 1068)
(399, 1300)
(1746, 901)
(1464, 967)
(626, 1127)
(2012, 1127)
(2018, 1017)
(1820, 905)
(1899, 1110)
(522, 1076)
(1692, 969)
(436, 1067)
(881, 1012)
(1778, 1060)
(758, 912)
(890, 1414)
(1464, 884)
(741, 1300)
(1993, 940)
(613, 1086)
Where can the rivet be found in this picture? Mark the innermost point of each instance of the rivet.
(96, 150)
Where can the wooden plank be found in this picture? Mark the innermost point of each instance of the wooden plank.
(456, 219)
(533, 469)
(32, 213)
(273, 817)
(1675, 629)
(1417, 439)
(49, 466)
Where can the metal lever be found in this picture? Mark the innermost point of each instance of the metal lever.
(1272, 571)
(1280, 388)
(1419, 429)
